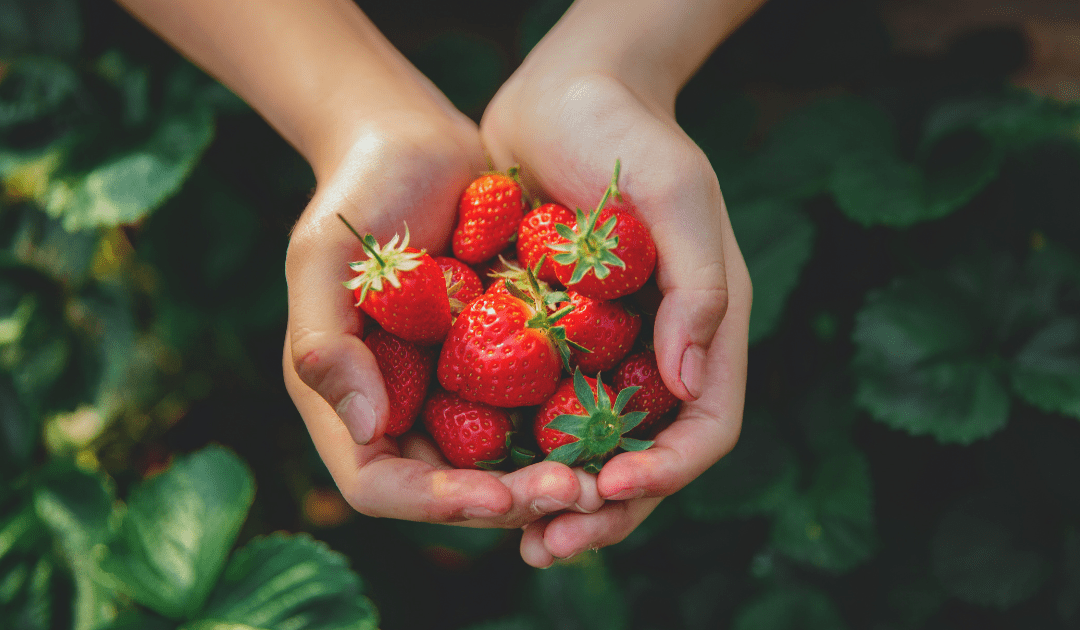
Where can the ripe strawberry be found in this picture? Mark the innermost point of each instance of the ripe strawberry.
(536, 231)
(402, 289)
(406, 370)
(470, 434)
(602, 327)
(611, 244)
(501, 262)
(518, 276)
(462, 284)
(654, 398)
(505, 350)
(581, 408)
(489, 212)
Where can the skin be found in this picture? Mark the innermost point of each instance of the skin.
(387, 147)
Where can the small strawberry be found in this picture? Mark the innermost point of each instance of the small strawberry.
(402, 289)
(654, 398)
(406, 370)
(536, 231)
(607, 254)
(470, 434)
(579, 425)
(604, 329)
(495, 265)
(489, 212)
(462, 284)
(505, 350)
(518, 276)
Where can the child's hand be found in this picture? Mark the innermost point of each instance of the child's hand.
(402, 167)
(566, 125)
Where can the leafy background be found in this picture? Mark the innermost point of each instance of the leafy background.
(902, 178)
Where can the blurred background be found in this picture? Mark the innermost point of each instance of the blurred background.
(904, 182)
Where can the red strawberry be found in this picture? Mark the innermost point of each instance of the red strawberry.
(518, 276)
(489, 212)
(501, 262)
(402, 289)
(607, 254)
(580, 425)
(505, 350)
(653, 398)
(603, 327)
(536, 231)
(470, 434)
(462, 284)
(406, 370)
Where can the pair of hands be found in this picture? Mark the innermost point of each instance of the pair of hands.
(565, 127)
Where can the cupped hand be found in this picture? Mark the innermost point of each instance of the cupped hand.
(400, 167)
(566, 129)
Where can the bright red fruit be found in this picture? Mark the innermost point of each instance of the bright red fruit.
(406, 370)
(462, 284)
(402, 289)
(603, 327)
(503, 351)
(536, 231)
(606, 254)
(580, 425)
(470, 434)
(654, 398)
(489, 213)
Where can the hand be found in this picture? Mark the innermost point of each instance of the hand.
(401, 167)
(566, 128)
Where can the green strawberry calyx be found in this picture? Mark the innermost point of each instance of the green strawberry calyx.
(600, 431)
(541, 301)
(588, 247)
(383, 263)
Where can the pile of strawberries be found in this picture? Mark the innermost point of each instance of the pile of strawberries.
(533, 348)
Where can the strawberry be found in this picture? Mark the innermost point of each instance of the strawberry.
(654, 398)
(406, 370)
(603, 329)
(402, 289)
(579, 425)
(470, 434)
(489, 213)
(505, 350)
(462, 284)
(536, 231)
(610, 243)
(518, 276)
(501, 262)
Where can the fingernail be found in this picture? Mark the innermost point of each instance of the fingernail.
(692, 370)
(578, 508)
(478, 512)
(359, 417)
(628, 493)
(546, 504)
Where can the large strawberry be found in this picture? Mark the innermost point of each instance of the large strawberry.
(606, 254)
(505, 349)
(470, 434)
(462, 284)
(406, 370)
(579, 425)
(536, 232)
(402, 289)
(489, 213)
(603, 329)
(654, 398)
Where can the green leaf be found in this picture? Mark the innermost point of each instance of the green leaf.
(922, 364)
(790, 609)
(1013, 119)
(757, 477)
(124, 189)
(831, 525)
(1046, 371)
(580, 594)
(34, 88)
(510, 623)
(51, 27)
(978, 558)
(18, 427)
(467, 68)
(177, 532)
(776, 239)
(282, 582)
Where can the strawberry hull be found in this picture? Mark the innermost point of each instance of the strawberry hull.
(491, 355)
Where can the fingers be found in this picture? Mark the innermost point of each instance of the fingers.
(706, 428)
(568, 534)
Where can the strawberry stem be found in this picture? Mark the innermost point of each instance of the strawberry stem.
(369, 247)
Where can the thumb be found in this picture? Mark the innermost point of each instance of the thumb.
(692, 277)
(324, 327)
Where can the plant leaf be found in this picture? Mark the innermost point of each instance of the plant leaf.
(1046, 371)
(790, 609)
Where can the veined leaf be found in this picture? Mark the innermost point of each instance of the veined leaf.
(1046, 371)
